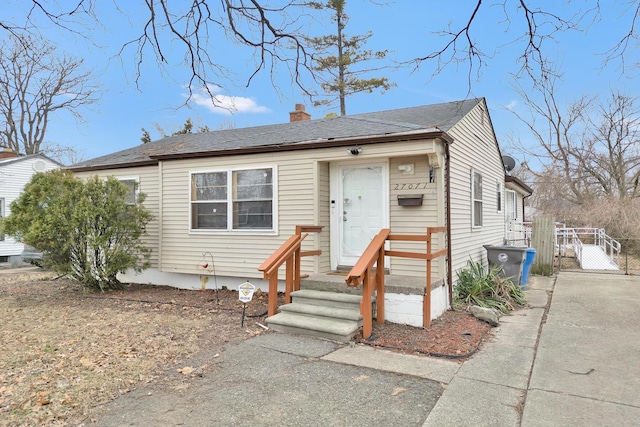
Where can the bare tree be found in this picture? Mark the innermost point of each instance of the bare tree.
(534, 29)
(276, 33)
(589, 149)
(35, 83)
(273, 32)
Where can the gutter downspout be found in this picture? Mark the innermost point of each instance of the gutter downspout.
(447, 164)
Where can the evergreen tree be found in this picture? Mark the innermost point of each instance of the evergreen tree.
(338, 56)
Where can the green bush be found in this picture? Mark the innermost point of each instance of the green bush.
(86, 230)
(485, 288)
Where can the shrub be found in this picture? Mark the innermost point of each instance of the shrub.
(84, 229)
(486, 288)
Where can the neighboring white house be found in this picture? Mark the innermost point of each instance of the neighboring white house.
(15, 172)
(238, 194)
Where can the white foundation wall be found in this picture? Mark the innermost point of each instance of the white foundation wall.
(399, 308)
(153, 276)
(407, 309)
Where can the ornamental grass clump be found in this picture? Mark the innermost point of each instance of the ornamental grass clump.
(486, 288)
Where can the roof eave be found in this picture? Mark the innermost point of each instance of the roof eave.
(325, 143)
(151, 162)
(519, 183)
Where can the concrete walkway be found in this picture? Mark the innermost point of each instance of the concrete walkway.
(570, 360)
(580, 370)
(490, 389)
(586, 370)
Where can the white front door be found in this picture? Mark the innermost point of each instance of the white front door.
(359, 209)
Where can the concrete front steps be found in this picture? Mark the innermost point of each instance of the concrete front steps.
(403, 295)
(330, 315)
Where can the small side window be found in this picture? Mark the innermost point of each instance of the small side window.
(133, 187)
(476, 199)
(1, 216)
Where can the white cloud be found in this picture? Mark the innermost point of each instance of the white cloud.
(511, 106)
(225, 104)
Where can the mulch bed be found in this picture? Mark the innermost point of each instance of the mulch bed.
(454, 335)
(68, 349)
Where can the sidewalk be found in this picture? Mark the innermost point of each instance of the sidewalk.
(583, 369)
(586, 370)
(490, 389)
(573, 365)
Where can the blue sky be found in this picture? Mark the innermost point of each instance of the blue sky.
(404, 27)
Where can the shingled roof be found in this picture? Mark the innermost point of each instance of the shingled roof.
(436, 118)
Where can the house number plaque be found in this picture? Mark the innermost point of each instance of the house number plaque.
(410, 186)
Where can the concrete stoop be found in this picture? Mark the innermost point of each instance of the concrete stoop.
(330, 315)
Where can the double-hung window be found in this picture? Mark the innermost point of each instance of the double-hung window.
(1, 216)
(231, 200)
(476, 196)
(511, 205)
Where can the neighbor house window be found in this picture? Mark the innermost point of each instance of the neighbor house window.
(511, 205)
(232, 200)
(133, 189)
(476, 194)
(1, 216)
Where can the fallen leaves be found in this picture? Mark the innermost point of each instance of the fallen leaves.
(187, 370)
(66, 351)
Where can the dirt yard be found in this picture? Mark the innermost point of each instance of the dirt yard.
(67, 350)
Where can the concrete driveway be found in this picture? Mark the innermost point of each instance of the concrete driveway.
(587, 368)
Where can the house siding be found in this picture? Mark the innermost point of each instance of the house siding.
(14, 175)
(414, 219)
(148, 183)
(474, 148)
(303, 199)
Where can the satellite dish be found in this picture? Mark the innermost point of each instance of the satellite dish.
(509, 163)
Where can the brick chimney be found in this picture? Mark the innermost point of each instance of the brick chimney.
(299, 115)
(7, 153)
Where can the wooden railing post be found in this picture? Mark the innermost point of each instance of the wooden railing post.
(289, 279)
(273, 290)
(426, 301)
(365, 306)
(380, 287)
(296, 269)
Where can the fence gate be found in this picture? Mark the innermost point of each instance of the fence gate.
(543, 240)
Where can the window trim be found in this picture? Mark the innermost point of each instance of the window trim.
(475, 173)
(230, 230)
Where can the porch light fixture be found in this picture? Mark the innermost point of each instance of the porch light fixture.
(354, 151)
(406, 169)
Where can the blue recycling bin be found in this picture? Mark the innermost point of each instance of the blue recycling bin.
(526, 267)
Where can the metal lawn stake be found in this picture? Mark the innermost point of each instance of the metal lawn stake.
(245, 293)
(208, 267)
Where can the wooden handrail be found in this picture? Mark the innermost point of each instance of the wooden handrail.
(368, 258)
(288, 253)
(363, 272)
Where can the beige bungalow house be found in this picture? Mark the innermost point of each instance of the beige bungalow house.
(232, 197)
